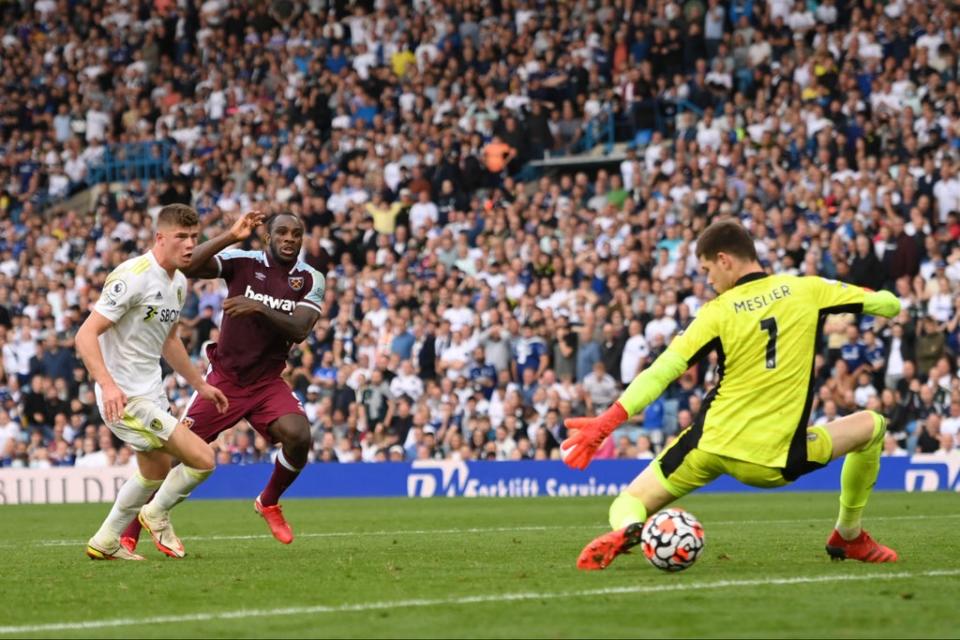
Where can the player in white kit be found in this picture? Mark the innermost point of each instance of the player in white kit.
(133, 323)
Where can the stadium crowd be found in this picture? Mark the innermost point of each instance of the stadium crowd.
(471, 306)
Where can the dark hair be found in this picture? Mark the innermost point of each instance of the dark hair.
(178, 215)
(726, 236)
(273, 218)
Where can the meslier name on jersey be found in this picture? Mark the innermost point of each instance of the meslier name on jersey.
(758, 302)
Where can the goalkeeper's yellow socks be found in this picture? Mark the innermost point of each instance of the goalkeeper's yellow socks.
(626, 510)
(859, 474)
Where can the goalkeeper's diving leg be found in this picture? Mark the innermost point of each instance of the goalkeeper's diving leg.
(645, 495)
(859, 437)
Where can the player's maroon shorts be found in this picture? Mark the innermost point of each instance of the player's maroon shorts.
(260, 404)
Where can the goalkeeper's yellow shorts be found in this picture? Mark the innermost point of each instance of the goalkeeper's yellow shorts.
(682, 468)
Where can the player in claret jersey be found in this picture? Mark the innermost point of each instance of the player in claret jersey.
(274, 301)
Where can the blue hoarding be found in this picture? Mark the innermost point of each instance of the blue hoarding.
(549, 478)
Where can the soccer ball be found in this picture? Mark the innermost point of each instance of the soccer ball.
(672, 539)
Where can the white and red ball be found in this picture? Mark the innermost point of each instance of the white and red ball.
(672, 539)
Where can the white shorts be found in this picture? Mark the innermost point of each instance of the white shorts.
(146, 423)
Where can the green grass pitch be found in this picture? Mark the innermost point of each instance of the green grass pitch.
(484, 567)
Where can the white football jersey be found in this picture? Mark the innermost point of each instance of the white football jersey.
(144, 303)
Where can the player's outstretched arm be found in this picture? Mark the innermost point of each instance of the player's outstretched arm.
(881, 303)
(587, 434)
(88, 348)
(832, 294)
(295, 327)
(203, 264)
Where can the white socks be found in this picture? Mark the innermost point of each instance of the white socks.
(180, 482)
(132, 495)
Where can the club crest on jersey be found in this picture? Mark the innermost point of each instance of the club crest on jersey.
(295, 283)
(188, 422)
(259, 275)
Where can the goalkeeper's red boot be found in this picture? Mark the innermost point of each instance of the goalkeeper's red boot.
(601, 552)
(275, 520)
(862, 548)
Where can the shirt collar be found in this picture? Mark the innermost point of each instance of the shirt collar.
(750, 277)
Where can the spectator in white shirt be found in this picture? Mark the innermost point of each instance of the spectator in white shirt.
(92, 458)
(951, 424)
(601, 388)
(459, 314)
(891, 448)
(635, 353)
(800, 19)
(947, 445)
(423, 214)
(708, 135)
(864, 391)
(455, 359)
(947, 191)
(829, 413)
(661, 325)
(407, 383)
(827, 12)
(9, 430)
(97, 122)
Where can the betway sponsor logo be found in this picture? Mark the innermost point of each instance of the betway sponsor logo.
(270, 301)
(430, 478)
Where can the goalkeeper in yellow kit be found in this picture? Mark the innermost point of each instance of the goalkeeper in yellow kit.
(753, 424)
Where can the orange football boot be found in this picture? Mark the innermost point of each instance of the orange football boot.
(275, 520)
(601, 552)
(862, 548)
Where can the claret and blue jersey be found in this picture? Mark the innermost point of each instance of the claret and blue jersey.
(250, 348)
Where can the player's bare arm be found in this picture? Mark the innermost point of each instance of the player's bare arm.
(178, 358)
(295, 327)
(203, 264)
(88, 347)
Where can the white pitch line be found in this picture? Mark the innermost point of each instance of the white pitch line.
(462, 600)
(343, 534)
(456, 531)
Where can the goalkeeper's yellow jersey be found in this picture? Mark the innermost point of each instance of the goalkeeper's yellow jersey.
(765, 331)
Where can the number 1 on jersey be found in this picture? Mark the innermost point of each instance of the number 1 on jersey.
(770, 326)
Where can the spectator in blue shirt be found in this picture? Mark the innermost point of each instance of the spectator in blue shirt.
(854, 351)
(653, 415)
(483, 376)
(336, 61)
(529, 352)
(326, 374)
(57, 362)
(402, 343)
(244, 451)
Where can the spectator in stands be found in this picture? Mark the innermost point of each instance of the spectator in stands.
(435, 235)
(892, 448)
(928, 439)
